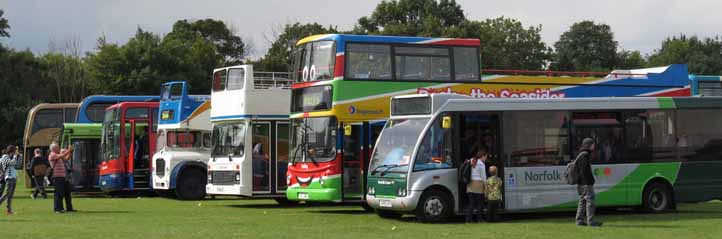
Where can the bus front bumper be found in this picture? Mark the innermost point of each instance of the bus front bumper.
(313, 194)
(393, 203)
(231, 190)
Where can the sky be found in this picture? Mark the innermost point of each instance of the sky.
(637, 24)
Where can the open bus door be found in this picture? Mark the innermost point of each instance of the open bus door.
(139, 155)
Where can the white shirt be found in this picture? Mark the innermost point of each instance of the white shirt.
(478, 173)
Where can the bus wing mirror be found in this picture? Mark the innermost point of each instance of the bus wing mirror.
(446, 122)
(347, 130)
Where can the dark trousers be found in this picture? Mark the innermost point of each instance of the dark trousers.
(9, 185)
(62, 191)
(491, 210)
(474, 207)
(39, 186)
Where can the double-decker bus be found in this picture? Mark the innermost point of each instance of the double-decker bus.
(184, 141)
(249, 112)
(127, 146)
(42, 126)
(343, 84)
(92, 108)
(85, 139)
(651, 152)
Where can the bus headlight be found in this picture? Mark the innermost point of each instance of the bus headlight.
(401, 192)
(322, 180)
(371, 190)
(238, 177)
(210, 177)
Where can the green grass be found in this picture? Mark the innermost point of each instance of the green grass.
(156, 217)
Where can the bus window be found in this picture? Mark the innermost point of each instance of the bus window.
(48, 118)
(70, 115)
(368, 61)
(422, 63)
(219, 80)
(282, 139)
(136, 113)
(435, 150)
(698, 137)
(259, 159)
(535, 138)
(96, 112)
(322, 61)
(154, 121)
(466, 63)
(235, 78)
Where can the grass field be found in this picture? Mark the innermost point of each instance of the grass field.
(155, 217)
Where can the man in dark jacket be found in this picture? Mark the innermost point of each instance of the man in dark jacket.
(38, 167)
(585, 185)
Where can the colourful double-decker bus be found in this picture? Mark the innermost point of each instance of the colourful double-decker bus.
(43, 125)
(651, 152)
(343, 84)
(127, 146)
(183, 143)
(249, 153)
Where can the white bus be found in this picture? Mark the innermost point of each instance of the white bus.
(249, 155)
(183, 142)
(651, 152)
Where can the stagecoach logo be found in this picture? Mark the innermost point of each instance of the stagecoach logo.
(504, 93)
(351, 109)
(602, 172)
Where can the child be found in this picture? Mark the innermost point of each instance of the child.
(493, 194)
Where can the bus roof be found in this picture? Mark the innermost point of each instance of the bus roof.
(82, 115)
(342, 38)
(133, 104)
(461, 103)
(46, 136)
(83, 129)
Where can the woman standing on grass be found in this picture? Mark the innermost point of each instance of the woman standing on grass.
(10, 175)
(61, 184)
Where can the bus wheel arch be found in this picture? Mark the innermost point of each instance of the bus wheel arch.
(658, 195)
(436, 204)
(190, 181)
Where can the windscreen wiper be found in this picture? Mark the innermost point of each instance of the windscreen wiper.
(376, 170)
(392, 167)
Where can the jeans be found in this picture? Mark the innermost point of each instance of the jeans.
(39, 186)
(62, 191)
(474, 207)
(8, 195)
(586, 207)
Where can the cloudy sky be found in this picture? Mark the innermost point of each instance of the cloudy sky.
(637, 24)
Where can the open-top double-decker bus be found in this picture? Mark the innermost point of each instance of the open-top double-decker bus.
(249, 113)
(343, 84)
(651, 152)
(183, 143)
(127, 146)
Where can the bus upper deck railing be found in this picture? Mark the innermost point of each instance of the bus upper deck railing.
(272, 80)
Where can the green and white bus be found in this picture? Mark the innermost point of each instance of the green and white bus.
(651, 152)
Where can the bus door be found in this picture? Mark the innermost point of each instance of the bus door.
(281, 155)
(353, 154)
(477, 131)
(372, 130)
(261, 157)
(139, 154)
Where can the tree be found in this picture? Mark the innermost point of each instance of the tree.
(4, 26)
(703, 56)
(279, 56)
(505, 43)
(630, 60)
(411, 18)
(586, 46)
(230, 46)
(21, 87)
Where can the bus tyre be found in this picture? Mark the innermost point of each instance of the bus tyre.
(286, 202)
(388, 214)
(657, 197)
(434, 206)
(191, 185)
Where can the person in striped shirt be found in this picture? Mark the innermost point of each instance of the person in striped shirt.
(60, 182)
(9, 178)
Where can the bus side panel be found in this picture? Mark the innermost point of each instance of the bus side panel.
(699, 181)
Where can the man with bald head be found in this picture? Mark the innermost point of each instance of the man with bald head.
(60, 182)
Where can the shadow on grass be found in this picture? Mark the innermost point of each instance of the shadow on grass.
(301, 205)
(101, 212)
(342, 212)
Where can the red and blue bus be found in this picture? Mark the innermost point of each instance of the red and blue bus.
(127, 146)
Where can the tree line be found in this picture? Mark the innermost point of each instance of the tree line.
(193, 48)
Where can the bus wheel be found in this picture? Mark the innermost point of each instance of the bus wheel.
(434, 206)
(657, 197)
(286, 202)
(388, 214)
(191, 185)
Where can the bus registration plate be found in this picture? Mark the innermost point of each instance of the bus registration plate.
(385, 203)
(302, 195)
